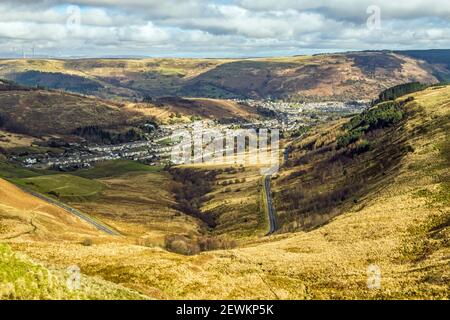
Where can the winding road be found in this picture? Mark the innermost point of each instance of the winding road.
(73, 211)
(273, 226)
(267, 191)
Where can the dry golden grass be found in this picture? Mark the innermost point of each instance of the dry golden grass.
(12, 66)
(176, 110)
(141, 73)
(164, 115)
(24, 279)
(216, 109)
(26, 218)
(123, 67)
(237, 202)
(42, 112)
(13, 140)
(141, 207)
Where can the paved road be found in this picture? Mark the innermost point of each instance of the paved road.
(287, 148)
(75, 212)
(271, 209)
(267, 190)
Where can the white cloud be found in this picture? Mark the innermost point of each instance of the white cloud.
(403, 9)
(233, 28)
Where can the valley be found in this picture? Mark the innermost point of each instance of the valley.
(87, 178)
(224, 158)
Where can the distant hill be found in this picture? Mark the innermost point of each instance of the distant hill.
(43, 112)
(343, 76)
(56, 80)
(438, 59)
(36, 112)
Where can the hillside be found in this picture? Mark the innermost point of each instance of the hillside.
(24, 279)
(108, 78)
(438, 61)
(344, 76)
(399, 221)
(42, 112)
(340, 166)
(27, 114)
(27, 218)
(24, 215)
(172, 109)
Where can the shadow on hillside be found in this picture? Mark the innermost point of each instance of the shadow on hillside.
(325, 181)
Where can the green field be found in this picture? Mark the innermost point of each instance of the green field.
(64, 186)
(115, 168)
(11, 171)
(166, 142)
(76, 186)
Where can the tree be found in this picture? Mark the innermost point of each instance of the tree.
(147, 99)
(398, 91)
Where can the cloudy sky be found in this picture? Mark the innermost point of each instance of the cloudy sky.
(219, 28)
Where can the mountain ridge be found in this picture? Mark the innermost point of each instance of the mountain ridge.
(338, 76)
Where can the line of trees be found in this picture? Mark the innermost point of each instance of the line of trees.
(191, 245)
(97, 134)
(191, 192)
(57, 80)
(8, 85)
(398, 91)
(381, 116)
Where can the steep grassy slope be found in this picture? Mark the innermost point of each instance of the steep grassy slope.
(358, 75)
(337, 167)
(23, 214)
(208, 108)
(109, 77)
(140, 205)
(337, 76)
(14, 141)
(23, 279)
(226, 197)
(27, 219)
(52, 80)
